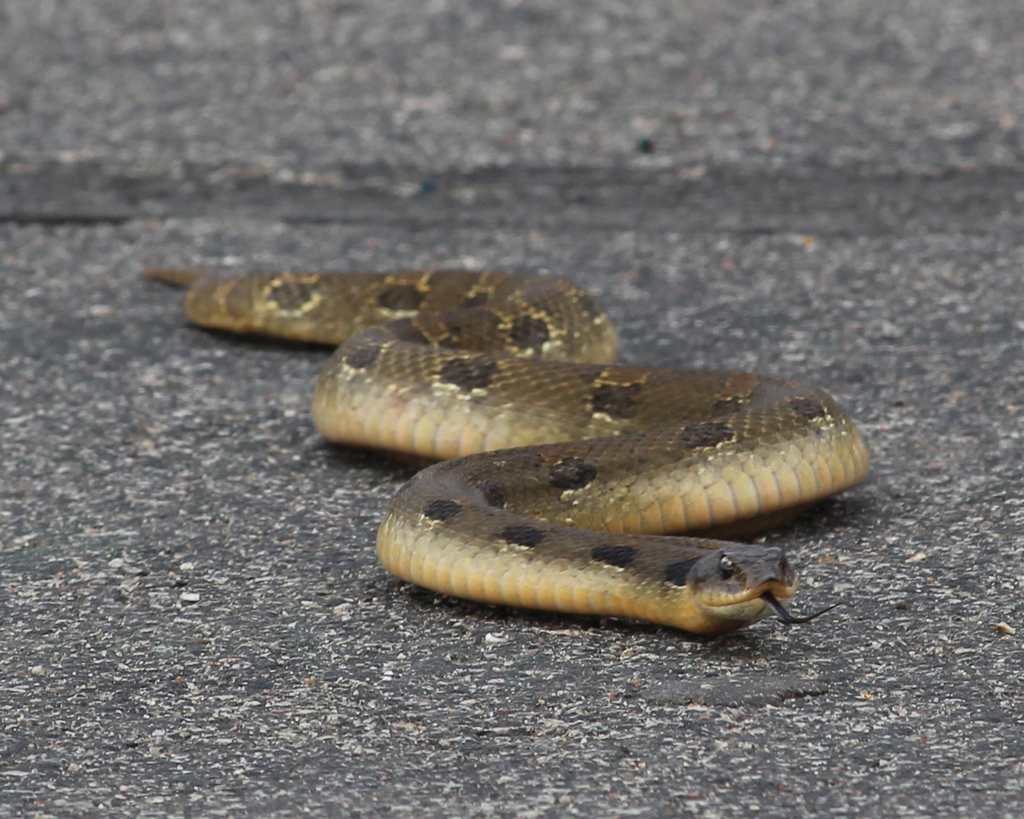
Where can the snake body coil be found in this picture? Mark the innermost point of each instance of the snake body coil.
(594, 462)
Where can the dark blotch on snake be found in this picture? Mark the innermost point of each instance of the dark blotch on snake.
(527, 331)
(406, 330)
(572, 473)
(522, 535)
(621, 556)
(470, 329)
(401, 297)
(616, 400)
(707, 433)
(290, 294)
(676, 573)
(469, 373)
(493, 494)
(362, 357)
(476, 300)
(806, 408)
(442, 509)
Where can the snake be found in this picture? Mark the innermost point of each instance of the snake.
(558, 480)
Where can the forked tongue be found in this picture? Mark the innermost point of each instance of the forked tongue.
(785, 616)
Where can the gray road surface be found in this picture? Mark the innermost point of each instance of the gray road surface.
(193, 622)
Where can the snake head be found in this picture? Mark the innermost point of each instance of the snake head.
(738, 584)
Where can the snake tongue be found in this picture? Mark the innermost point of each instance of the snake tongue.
(785, 616)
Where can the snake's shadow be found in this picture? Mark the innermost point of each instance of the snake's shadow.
(838, 514)
(741, 644)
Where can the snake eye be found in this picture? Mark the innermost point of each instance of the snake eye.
(726, 567)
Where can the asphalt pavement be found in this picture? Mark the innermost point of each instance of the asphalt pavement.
(192, 619)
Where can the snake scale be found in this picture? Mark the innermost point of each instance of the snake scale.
(560, 472)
